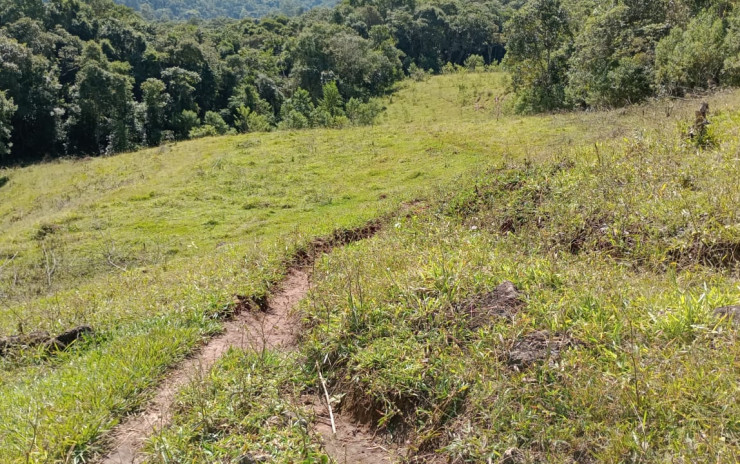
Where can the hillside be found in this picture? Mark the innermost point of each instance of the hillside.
(620, 236)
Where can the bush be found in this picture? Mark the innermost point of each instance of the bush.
(185, 122)
(215, 120)
(294, 120)
(418, 74)
(363, 114)
(449, 68)
(258, 123)
(475, 63)
(691, 58)
(203, 131)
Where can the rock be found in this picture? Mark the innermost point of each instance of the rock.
(731, 313)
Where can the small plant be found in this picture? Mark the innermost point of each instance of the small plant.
(475, 63)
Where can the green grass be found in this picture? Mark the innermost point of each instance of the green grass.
(149, 247)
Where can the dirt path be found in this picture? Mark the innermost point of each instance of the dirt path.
(352, 444)
(275, 328)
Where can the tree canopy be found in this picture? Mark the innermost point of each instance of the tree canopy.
(89, 77)
(590, 54)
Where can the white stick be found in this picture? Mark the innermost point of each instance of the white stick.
(328, 401)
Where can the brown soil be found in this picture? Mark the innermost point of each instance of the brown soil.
(538, 346)
(275, 327)
(503, 302)
(353, 443)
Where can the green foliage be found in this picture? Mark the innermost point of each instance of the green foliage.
(692, 58)
(215, 120)
(475, 63)
(7, 109)
(332, 102)
(241, 120)
(156, 101)
(732, 46)
(620, 53)
(536, 55)
(196, 9)
(612, 62)
(213, 124)
(258, 122)
(185, 122)
(363, 114)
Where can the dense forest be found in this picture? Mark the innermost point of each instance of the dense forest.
(93, 77)
(590, 53)
(88, 77)
(187, 9)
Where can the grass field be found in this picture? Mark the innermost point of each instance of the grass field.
(619, 234)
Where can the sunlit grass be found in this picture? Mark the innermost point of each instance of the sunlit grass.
(147, 247)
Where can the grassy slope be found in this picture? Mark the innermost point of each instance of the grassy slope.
(625, 246)
(195, 223)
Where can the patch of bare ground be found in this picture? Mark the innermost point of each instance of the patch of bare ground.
(275, 327)
(352, 443)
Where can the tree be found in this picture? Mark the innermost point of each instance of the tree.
(7, 108)
(613, 60)
(156, 100)
(105, 107)
(181, 87)
(691, 58)
(536, 55)
(31, 82)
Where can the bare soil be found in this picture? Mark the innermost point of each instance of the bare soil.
(274, 328)
(353, 443)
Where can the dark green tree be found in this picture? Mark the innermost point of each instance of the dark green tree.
(7, 108)
(538, 37)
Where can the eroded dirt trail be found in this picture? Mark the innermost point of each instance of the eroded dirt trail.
(273, 329)
(353, 443)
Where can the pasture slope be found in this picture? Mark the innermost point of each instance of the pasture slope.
(536, 289)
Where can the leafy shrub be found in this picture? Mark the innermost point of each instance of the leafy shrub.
(363, 114)
(203, 131)
(258, 123)
(691, 58)
(418, 74)
(475, 63)
(294, 120)
(449, 68)
(185, 122)
(215, 120)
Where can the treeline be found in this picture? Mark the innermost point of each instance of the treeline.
(92, 77)
(588, 53)
(168, 10)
